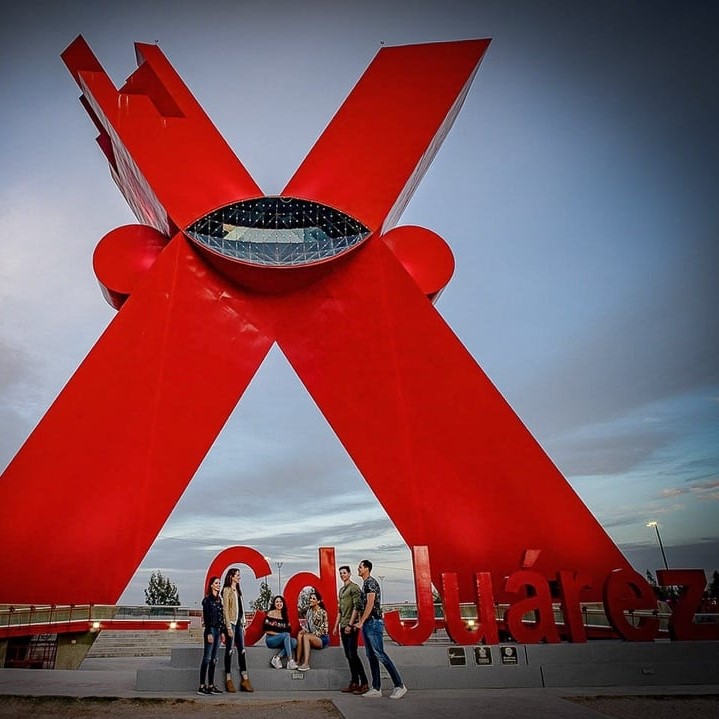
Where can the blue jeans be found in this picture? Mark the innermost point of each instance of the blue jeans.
(284, 640)
(209, 656)
(372, 631)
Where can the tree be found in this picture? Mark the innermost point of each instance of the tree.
(161, 591)
(437, 603)
(714, 585)
(262, 603)
(660, 592)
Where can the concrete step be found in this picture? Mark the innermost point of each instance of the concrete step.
(140, 644)
(419, 666)
(606, 663)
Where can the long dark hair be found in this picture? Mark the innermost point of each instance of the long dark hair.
(228, 580)
(209, 586)
(283, 611)
(319, 598)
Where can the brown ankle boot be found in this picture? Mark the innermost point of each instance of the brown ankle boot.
(230, 686)
(245, 686)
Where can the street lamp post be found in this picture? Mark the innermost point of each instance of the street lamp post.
(659, 539)
(267, 559)
(279, 576)
(381, 584)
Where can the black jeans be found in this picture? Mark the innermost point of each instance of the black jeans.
(238, 640)
(349, 644)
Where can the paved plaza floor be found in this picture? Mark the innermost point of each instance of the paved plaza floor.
(106, 687)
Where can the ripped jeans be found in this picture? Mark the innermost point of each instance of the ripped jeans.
(209, 656)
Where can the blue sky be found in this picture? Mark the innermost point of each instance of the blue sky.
(577, 189)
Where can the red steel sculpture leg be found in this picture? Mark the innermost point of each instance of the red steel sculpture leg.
(108, 462)
(91, 488)
(446, 456)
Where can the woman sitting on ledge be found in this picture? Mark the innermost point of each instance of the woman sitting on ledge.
(278, 635)
(317, 633)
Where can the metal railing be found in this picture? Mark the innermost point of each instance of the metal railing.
(52, 615)
(61, 617)
(593, 614)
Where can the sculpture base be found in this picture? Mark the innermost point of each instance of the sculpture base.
(595, 664)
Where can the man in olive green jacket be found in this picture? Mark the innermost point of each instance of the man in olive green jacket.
(349, 611)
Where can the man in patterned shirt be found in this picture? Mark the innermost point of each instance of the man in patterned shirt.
(372, 626)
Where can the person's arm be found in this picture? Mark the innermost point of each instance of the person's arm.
(356, 606)
(367, 609)
(240, 609)
(324, 627)
(268, 626)
(337, 618)
(206, 618)
(225, 608)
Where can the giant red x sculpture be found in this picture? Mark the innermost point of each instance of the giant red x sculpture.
(217, 273)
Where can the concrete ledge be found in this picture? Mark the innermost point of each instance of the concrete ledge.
(606, 663)
(614, 663)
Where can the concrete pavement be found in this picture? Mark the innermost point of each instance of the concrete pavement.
(117, 677)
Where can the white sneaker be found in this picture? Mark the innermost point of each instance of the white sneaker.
(398, 692)
(276, 662)
(372, 694)
(292, 664)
